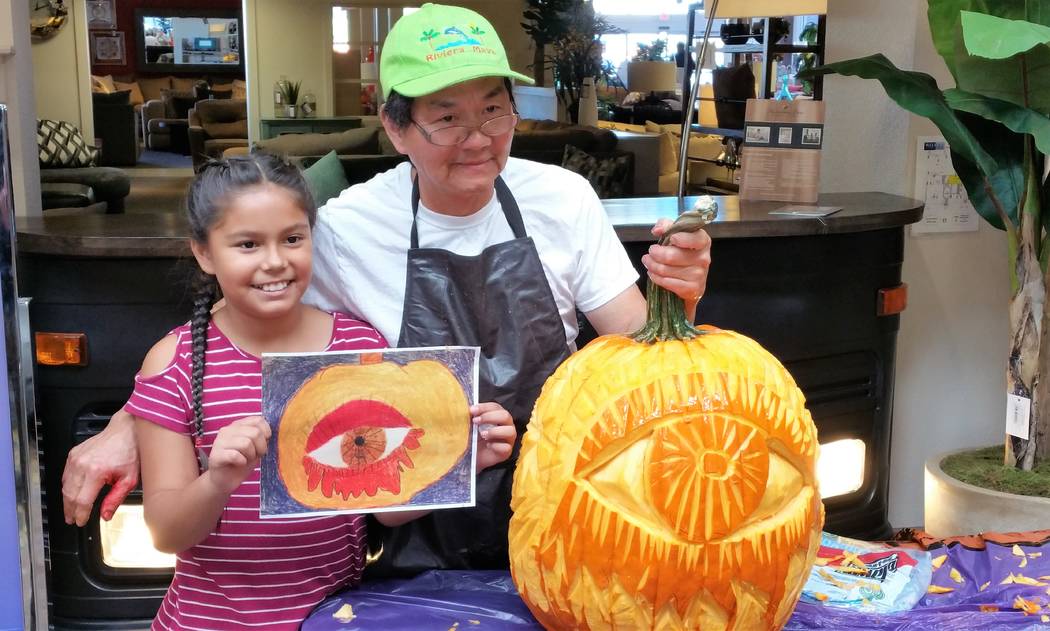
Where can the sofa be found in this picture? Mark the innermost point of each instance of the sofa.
(367, 151)
(165, 113)
(662, 155)
(97, 185)
(216, 125)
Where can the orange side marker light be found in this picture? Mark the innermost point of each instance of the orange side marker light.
(892, 300)
(61, 349)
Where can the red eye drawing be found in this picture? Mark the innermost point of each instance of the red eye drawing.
(360, 447)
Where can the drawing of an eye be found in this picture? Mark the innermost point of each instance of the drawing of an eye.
(359, 447)
(365, 436)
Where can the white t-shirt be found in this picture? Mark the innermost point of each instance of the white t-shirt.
(362, 238)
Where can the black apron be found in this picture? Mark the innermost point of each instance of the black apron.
(499, 300)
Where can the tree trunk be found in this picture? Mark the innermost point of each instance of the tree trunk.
(1041, 394)
(1029, 351)
(539, 70)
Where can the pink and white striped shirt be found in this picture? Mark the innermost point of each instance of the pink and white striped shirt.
(248, 573)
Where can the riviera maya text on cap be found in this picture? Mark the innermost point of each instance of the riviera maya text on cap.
(439, 46)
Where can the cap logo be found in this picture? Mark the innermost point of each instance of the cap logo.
(458, 41)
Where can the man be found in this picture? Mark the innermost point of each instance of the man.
(460, 246)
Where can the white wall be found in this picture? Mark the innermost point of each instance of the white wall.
(951, 350)
(62, 73)
(291, 38)
(16, 92)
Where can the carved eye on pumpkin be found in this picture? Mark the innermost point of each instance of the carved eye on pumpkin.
(378, 445)
(699, 476)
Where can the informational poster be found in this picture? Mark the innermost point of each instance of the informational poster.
(948, 209)
(780, 160)
(369, 431)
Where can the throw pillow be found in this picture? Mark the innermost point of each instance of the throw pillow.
(608, 176)
(668, 148)
(184, 84)
(152, 87)
(102, 84)
(325, 178)
(136, 97)
(60, 144)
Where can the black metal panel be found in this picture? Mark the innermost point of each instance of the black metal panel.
(123, 306)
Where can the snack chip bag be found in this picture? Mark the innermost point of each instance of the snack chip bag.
(869, 577)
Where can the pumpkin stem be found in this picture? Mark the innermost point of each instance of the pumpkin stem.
(666, 311)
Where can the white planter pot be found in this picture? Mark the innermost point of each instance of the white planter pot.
(956, 508)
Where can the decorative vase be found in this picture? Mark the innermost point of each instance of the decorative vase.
(956, 508)
(291, 111)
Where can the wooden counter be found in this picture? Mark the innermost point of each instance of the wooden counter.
(164, 234)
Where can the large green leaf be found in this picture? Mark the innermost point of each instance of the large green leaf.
(1006, 182)
(1016, 118)
(993, 37)
(1023, 78)
(918, 93)
(943, 16)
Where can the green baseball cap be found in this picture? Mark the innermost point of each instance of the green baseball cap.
(438, 46)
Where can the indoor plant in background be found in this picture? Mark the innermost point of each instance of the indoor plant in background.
(577, 55)
(997, 122)
(290, 97)
(546, 23)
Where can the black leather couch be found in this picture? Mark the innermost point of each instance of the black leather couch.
(106, 184)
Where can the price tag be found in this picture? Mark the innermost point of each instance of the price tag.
(1018, 410)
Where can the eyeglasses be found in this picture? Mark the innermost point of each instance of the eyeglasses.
(451, 136)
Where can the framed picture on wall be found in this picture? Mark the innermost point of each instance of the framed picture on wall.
(108, 48)
(101, 14)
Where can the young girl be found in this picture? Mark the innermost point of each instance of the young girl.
(198, 403)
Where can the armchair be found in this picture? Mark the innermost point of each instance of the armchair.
(216, 125)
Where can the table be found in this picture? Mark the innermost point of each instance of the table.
(273, 127)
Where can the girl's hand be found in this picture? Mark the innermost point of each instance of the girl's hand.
(236, 452)
(496, 434)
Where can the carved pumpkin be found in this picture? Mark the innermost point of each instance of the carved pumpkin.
(667, 482)
(403, 429)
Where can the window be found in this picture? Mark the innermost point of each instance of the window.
(356, 34)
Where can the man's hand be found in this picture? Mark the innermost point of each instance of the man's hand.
(111, 457)
(681, 266)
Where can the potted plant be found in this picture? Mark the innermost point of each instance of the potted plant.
(578, 54)
(290, 97)
(546, 23)
(997, 121)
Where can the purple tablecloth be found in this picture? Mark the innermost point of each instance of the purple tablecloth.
(488, 600)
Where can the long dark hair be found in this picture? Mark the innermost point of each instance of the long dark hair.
(214, 186)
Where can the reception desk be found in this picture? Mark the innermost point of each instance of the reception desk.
(806, 288)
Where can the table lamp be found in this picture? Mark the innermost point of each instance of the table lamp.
(651, 77)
